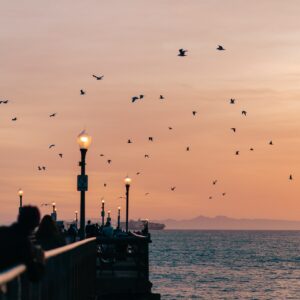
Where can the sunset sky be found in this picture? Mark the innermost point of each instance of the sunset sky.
(49, 51)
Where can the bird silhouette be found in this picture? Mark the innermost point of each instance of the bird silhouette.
(141, 96)
(52, 115)
(161, 97)
(233, 129)
(223, 194)
(101, 154)
(187, 148)
(14, 119)
(251, 149)
(39, 168)
(150, 138)
(129, 142)
(138, 173)
(134, 98)
(1, 101)
(98, 77)
(109, 161)
(210, 197)
(220, 48)
(82, 92)
(147, 156)
(104, 184)
(215, 181)
(146, 194)
(291, 177)
(194, 112)
(182, 52)
(237, 152)
(173, 188)
(5, 101)
(170, 128)
(232, 101)
(44, 168)
(271, 143)
(51, 146)
(60, 154)
(244, 112)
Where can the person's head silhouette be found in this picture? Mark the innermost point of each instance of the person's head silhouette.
(29, 218)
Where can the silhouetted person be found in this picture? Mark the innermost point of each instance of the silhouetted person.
(16, 246)
(89, 229)
(72, 233)
(48, 235)
(108, 231)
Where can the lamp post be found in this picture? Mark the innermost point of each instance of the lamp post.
(84, 141)
(108, 216)
(119, 218)
(54, 215)
(21, 199)
(127, 181)
(103, 212)
(76, 218)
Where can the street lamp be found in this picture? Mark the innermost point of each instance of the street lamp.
(127, 181)
(21, 198)
(76, 218)
(102, 212)
(108, 216)
(54, 214)
(84, 141)
(119, 218)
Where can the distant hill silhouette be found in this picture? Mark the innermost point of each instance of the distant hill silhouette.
(223, 222)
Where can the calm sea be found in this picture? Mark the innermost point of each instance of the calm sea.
(226, 264)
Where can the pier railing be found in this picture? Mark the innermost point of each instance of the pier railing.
(70, 273)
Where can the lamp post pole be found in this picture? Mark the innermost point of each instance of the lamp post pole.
(21, 199)
(127, 181)
(103, 212)
(76, 218)
(84, 140)
(119, 218)
(82, 195)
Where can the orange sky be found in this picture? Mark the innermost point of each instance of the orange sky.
(49, 52)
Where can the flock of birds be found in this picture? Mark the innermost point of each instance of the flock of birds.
(181, 53)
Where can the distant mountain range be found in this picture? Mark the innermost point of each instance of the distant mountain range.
(226, 223)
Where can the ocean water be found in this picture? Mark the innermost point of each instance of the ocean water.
(225, 264)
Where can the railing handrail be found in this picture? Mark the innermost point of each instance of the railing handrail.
(16, 271)
(59, 250)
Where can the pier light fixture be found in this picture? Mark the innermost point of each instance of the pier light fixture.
(119, 218)
(127, 182)
(84, 141)
(102, 211)
(20, 192)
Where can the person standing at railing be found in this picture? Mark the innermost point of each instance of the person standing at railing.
(48, 235)
(16, 245)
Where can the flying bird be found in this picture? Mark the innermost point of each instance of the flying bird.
(215, 181)
(146, 194)
(44, 168)
(194, 112)
(161, 97)
(147, 156)
(182, 52)
(109, 161)
(104, 184)
(232, 101)
(101, 154)
(271, 143)
(138, 173)
(210, 197)
(237, 152)
(220, 48)
(134, 98)
(187, 148)
(291, 177)
(251, 149)
(98, 77)
(173, 188)
(244, 112)
(150, 138)
(129, 142)
(223, 194)
(82, 92)
(141, 96)
(52, 115)
(170, 128)
(61, 155)
(14, 119)
(51, 146)
(233, 129)
(39, 168)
